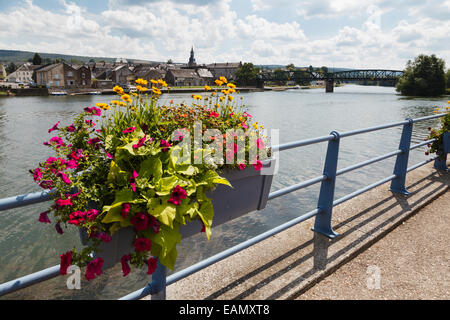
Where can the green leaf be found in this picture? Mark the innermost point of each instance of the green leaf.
(187, 169)
(212, 177)
(151, 167)
(167, 240)
(113, 214)
(165, 213)
(206, 213)
(167, 184)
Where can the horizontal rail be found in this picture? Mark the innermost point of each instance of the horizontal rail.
(421, 144)
(29, 280)
(25, 199)
(295, 187)
(365, 163)
(376, 128)
(302, 143)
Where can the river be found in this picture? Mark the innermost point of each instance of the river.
(28, 246)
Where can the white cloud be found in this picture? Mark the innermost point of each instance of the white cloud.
(162, 30)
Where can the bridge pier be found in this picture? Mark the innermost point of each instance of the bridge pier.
(260, 84)
(329, 85)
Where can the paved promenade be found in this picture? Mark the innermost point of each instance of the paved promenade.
(390, 247)
(411, 262)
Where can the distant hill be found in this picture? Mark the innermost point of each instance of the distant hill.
(24, 56)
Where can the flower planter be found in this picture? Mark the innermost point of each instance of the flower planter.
(249, 193)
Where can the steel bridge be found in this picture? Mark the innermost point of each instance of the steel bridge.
(329, 77)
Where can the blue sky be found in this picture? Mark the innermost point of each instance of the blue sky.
(335, 33)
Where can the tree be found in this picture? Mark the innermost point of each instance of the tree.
(447, 78)
(247, 74)
(169, 61)
(37, 60)
(423, 77)
(290, 67)
(11, 68)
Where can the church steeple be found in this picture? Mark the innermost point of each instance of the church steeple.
(192, 62)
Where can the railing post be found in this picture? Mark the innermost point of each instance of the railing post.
(322, 223)
(159, 282)
(401, 164)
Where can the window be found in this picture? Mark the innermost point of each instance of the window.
(57, 76)
(83, 75)
(83, 82)
(70, 74)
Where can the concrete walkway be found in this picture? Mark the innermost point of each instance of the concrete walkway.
(413, 264)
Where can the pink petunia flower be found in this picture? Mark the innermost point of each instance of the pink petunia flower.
(71, 128)
(44, 218)
(58, 228)
(125, 210)
(165, 144)
(257, 165)
(129, 130)
(63, 203)
(94, 268)
(142, 244)
(132, 181)
(260, 144)
(242, 166)
(140, 221)
(64, 177)
(125, 267)
(66, 261)
(94, 111)
(55, 127)
(37, 175)
(140, 143)
(151, 264)
(178, 194)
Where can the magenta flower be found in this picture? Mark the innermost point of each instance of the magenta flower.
(55, 127)
(257, 165)
(64, 177)
(58, 141)
(104, 237)
(46, 184)
(94, 111)
(213, 114)
(63, 203)
(110, 156)
(140, 143)
(242, 166)
(71, 128)
(260, 144)
(37, 175)
(178, 194)
(140, 221)
(132, 181)
(71, 164)
(92, 214)
(94, 141)
(58, 228)
(151, 264)
(125, 267)
(142, 244)
(129, 130)
(77, 218)
(44, 218)
(165, 144)
(66, 261)
(90, 123)
(245, 114)
(125, 210)
(94, 268)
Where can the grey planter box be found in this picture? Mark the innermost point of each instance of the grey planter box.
(249, 193)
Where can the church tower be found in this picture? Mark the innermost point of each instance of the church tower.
(192, 63)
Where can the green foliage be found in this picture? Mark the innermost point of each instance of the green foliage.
(247, 74)
(423, 77)
(37, 60)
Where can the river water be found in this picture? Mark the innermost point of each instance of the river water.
(28, 246)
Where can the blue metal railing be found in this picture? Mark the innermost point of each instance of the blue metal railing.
(157, 287)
